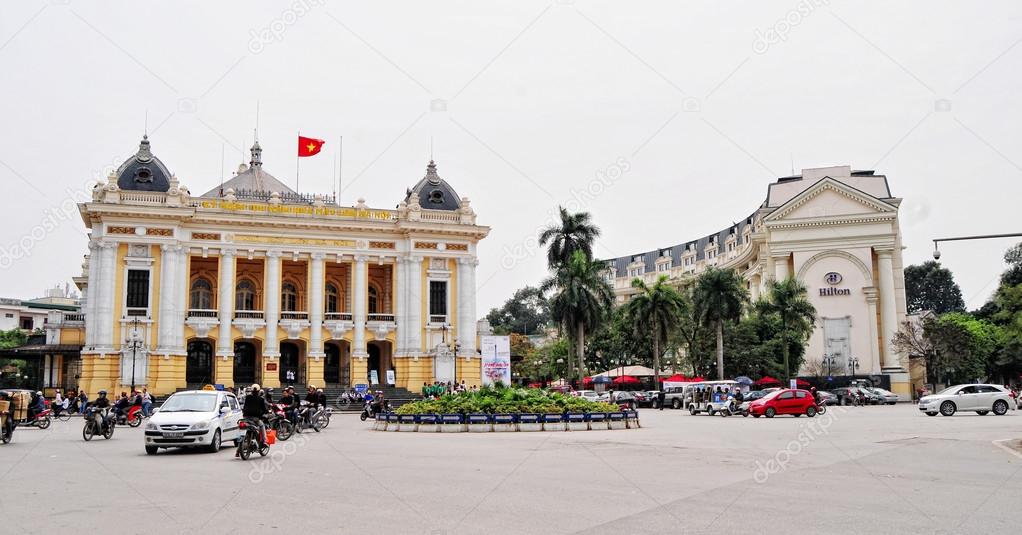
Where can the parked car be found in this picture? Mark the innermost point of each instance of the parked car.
(981, 398)
(784, 401)
(591, 395)
(674, 397)
(651, 399)
(844, 395)
(886, 396)
(194, 418)
(625, 398)
(827, 398)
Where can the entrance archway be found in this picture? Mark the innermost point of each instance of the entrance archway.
(291, 370)
(379, 360)
(199, 363)
(337, 364)
(244, 363)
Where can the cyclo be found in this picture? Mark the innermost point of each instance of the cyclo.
(20, 399)
(710, 397)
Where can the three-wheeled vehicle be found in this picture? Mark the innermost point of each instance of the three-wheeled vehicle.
(710, 397)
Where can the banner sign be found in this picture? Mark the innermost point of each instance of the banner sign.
(361, 388)
(390, 377)
(374, 377)
(496, 365)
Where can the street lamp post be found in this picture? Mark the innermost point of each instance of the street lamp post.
(135, 343)
(853, 363)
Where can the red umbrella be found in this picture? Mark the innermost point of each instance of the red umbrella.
(802, 383)
(676, 378)
(587, 381)
(766, 380)
(626, 380)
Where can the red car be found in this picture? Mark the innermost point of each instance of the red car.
(784, 401)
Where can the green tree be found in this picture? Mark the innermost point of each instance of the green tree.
(930, 286)
(788, 300)
(581, 300)
(963, 345)
(12, 338)
(656, 311)
(720, 297)
(1013, 275)
(526, 312)
(576, 232)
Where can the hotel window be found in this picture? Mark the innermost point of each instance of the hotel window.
(437, 298)
(288, 297)
(138, 289)
(201, 295)
(331, 298)
(374, 300)
(244, 295)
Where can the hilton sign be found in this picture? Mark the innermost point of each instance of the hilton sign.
(833, 278)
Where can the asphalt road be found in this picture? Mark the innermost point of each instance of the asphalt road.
(873, 470)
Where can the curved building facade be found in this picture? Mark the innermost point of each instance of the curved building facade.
(837, 231)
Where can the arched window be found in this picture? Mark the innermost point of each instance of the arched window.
(244, 295)
(374, 299)
(288, 297)
(201, 295)
(331, 298)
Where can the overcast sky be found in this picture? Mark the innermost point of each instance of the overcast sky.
(673, 116)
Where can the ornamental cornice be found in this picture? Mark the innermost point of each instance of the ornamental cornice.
(809, 223)
(829, 184)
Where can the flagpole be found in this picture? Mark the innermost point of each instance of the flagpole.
(340, 167)
(298, 160)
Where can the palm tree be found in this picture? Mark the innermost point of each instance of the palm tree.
(789, 300)
(720, 296)
(657, 310)
(575, 233)
(582, 298)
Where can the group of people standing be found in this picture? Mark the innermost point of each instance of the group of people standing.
(439, 388)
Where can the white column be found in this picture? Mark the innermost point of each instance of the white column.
(401, 312)
(181, 295)
(316, 306)
(225, 303)
(874, 347)
(754, 288)
(271, 304)
(414, 321)
(165, 315)
(105, 304)
(888, 307)
(91, 293)
(781, 267)
(361, 296)
(467, 306)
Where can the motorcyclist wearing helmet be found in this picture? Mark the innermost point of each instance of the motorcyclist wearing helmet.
(255, 410)
(290, 402)
(816, 395)
(100, 406)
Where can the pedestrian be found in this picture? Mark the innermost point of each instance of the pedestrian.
(147, 403)
(425, 390)
(83, 400)
(660, 396)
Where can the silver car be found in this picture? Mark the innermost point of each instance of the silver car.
(980, 398)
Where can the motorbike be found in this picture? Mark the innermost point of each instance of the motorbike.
(91, 429)
(280, 423)
(132, 418)
(41, 420)
(729, 408)
(311, 416)
(250, 441)
(368, 412)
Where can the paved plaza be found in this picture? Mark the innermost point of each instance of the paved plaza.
(855, 470)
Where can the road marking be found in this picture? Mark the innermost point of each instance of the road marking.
(1008, 449)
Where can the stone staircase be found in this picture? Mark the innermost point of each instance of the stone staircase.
(396, 395)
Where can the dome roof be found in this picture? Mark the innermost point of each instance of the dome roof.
(143, 171)
(433, 192)
(251, 178)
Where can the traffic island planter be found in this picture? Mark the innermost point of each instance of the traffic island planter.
(598, 421)
(380, 423)
(452, 423)
(578, 422)
(428, 423)
(617, 420)
(529, 422)
(392, 422)
(504, 423)
(406, 423)
(554, 422)
(479, 423)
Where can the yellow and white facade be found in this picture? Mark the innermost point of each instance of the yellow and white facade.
(837, 231)
(252, 282)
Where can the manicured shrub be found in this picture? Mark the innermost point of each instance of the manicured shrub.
(504, 400)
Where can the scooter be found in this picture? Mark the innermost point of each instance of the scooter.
(91, 429)
(368, 412)
(42, 420)
(133, 418)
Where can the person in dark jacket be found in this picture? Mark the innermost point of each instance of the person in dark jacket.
(660, 396)
(255, 410)
(290, 402)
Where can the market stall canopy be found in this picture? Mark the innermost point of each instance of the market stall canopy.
(634, 371)
(677, 378)
(626, 380)
(766, 380)
(802, 383)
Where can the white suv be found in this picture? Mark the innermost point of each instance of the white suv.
(975, 397)
(194, 418)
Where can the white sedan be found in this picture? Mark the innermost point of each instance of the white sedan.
(194, 418)
(591, 395)
(980, 398)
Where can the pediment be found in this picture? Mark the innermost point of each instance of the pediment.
(830, 198)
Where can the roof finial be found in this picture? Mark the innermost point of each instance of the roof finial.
(144, 154)
(431, 175)
(257, 155)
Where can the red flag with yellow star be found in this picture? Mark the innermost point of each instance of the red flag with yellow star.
(309, 146)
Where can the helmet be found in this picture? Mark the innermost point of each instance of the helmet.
(320, 390)
(102, 393)
(38, 393)
(255, 387)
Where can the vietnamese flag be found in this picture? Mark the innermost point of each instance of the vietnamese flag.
(308, 146)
